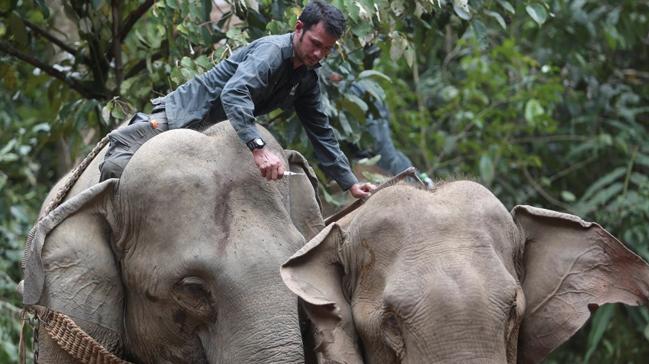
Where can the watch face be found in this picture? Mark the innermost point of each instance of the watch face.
(256, 143)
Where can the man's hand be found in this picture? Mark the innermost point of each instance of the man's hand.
(359, 190)
(269, 164)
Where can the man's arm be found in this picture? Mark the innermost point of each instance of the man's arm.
(316, 124)
(251, 78)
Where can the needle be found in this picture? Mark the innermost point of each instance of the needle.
(289, 173)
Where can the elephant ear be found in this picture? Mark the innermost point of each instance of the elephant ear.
(571, 267)
(315, 275)
(70, 266)
(306, 209)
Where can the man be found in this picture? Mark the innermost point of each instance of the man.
(377, 125)
(271, 72)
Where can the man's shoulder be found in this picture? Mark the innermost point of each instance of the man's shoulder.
(280, 43)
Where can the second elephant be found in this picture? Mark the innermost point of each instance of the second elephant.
(450, 276)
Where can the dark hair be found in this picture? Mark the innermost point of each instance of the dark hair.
(318, 10)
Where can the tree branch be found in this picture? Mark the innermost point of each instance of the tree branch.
(133, 17)
(70, 82)
(128, 24)
(43, 33)
(142, 64)
(117, 44)
(545, 194)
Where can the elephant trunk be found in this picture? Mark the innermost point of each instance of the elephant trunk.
(273, 343)
(259, 328)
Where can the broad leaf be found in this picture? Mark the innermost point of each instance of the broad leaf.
(537, 12)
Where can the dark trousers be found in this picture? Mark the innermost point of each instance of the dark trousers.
(125, 141)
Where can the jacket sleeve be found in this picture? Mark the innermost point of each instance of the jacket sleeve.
(250, 79)
(309, 109)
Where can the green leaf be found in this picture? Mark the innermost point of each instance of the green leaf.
(42, 5)
(498, 18)
(643, 160)
(537, 12)
(461, 8)
(374, 74)
(187, 73)
(487, 169)
(7, 5)
(603, 181)
(601, 198)
(601, 319)
(41, 128)
(410, 56)
(397, 7)
(533, 109)
(9, 146)
(568, 196)
(507, 6)
(364, 32)
(479, 29)
(397, 47)
(449, 92)
(344, 122)
(203, 62)
(18, 30)
(355, 105)
(372, 88)
(186, 62)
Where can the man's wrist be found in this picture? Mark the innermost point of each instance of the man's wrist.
(346, 181)
(256, 143)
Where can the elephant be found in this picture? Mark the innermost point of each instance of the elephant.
(450, 276)
(178, 260)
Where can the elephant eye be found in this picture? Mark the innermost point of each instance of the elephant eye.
(192, 294)
(193, 288)
(391, 326)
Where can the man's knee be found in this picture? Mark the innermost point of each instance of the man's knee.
(124, 142)
(112, 168)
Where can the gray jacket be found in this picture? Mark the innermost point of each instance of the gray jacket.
(255, 80)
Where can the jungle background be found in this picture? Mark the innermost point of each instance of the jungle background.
(546, 102)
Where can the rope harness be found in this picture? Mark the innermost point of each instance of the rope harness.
(61, 328)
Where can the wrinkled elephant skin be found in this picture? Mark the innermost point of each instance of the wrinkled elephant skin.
(450, 276)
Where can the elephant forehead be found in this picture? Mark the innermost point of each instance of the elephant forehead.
(185, 164)
(186, 185)
(179, 153)
(406, 214)
(462, 219)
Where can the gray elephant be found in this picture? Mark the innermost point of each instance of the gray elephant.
(178, 260)
(450, 276)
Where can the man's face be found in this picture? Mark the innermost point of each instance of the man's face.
(313, 45)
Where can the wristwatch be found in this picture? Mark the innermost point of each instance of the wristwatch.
(256, 143)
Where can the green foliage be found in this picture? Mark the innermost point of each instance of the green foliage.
(20, 197)
(544, 101)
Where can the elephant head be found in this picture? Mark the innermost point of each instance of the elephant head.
(177, 261)
(450, 276)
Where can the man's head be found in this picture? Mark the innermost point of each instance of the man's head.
(318, 28)
(318, 11)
